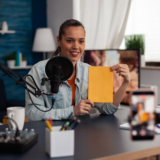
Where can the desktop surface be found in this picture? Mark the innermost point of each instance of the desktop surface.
(96, 136)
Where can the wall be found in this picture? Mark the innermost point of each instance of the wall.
(39, 20)
(18, 14)
(58, 11)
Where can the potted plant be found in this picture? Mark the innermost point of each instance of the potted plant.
(10, 60)
(24, 62)
(136, 42)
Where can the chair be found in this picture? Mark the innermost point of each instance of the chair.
(4, 103)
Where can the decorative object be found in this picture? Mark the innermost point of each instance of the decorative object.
(136, 42)
(43, 41)
(4, 28)
(10, 60)
(24, 62)
(18, 58)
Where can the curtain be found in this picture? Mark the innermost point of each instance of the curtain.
(104, 21)
(144, 18)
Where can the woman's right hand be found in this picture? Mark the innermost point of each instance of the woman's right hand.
(84, 106)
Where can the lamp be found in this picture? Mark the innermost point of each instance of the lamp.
(43, 41)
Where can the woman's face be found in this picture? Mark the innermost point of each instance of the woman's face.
(72, 43)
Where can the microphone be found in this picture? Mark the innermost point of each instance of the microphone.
(58, 69)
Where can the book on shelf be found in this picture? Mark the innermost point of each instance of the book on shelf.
(18, 58)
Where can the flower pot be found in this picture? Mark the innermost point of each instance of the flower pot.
(24, 63)
(143, 63)
(11, 63)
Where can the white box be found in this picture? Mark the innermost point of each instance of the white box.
(59, 143)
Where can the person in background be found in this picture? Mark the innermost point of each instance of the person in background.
(95, 58)
(73, 93)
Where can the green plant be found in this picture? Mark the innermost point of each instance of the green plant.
(9, 57)
(135, 42)
(24, 59)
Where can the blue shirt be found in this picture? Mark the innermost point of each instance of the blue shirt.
(63, 103)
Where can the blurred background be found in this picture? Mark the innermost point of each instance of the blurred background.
(109, 24)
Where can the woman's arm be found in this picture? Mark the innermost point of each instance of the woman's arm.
(33, 114)
(122, 70)
(111, 108)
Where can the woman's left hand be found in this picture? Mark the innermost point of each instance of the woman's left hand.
(122, 70)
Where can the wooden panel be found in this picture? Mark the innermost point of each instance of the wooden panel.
(134, 155)
(18, 15)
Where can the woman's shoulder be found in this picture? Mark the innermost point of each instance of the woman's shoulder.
(84, 65)
(39, 68)
(82, 71)
(41, 64)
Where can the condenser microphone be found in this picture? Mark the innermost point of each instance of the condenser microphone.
(58, 69)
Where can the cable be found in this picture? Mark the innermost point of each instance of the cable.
(17, 134)
(28, 75)
(2, 75)
(35, 104)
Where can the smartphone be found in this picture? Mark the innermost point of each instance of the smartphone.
(142, 116)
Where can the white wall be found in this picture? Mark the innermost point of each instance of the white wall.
(151, 77)
(58, 11)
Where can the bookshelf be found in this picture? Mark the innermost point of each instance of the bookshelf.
(4, 32)
(19, 67)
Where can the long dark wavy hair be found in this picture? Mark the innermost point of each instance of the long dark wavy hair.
(64, 25)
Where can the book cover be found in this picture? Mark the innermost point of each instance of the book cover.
(100, 84)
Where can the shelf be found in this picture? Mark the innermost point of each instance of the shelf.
(9, 31)
(16, 67)
(151, 67)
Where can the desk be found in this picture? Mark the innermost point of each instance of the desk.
(97, 136)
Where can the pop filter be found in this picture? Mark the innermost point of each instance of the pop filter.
(61, 62)
(58, 69)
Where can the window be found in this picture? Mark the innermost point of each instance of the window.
(144, 18)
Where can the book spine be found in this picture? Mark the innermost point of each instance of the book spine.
(16, 58)
(20, 59)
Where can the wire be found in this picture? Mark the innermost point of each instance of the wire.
(17, 134)
(35, 104)
(28, 75)
(2, 75)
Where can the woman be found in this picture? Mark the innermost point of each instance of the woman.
(72, 95)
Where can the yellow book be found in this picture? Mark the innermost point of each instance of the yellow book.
(100, 84)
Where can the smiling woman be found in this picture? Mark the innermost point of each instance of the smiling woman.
(73, 43)
(70, 98)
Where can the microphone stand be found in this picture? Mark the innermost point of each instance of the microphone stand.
(6, 71)
(21, 79)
